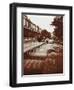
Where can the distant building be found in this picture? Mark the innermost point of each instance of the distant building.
(31, 30)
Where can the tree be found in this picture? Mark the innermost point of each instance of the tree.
(45, 34)
(58, 31)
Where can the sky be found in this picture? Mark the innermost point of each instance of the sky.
(43, 21)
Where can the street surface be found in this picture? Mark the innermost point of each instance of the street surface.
(53, 63)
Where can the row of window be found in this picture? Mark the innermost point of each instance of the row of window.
(27, 23)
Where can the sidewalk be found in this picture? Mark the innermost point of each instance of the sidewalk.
(31, 45)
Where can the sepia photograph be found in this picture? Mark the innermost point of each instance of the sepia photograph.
(42, 44)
